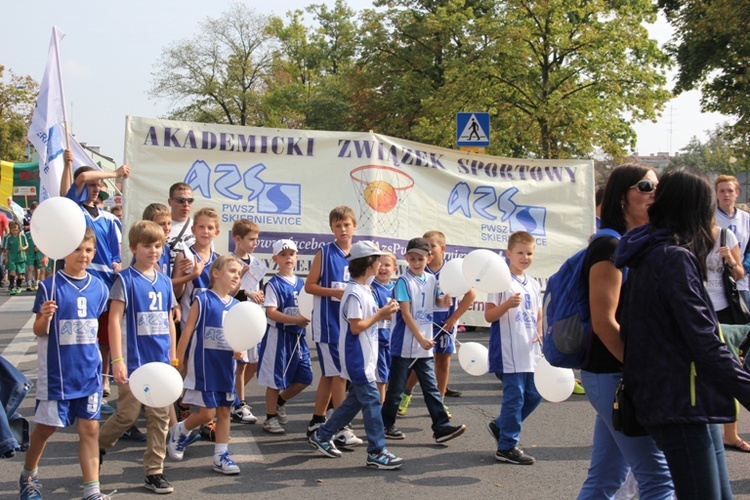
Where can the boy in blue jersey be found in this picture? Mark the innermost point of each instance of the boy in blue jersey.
(245, 235)
(211, 363)
(326, 281)
(160, 214)
(444, 323)
(411, 343)
(516, 317)
(284, 366)
(69, 386)
(358, 347)
(382, 287)
(141, 306)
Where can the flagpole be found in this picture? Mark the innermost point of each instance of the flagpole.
(62, 89)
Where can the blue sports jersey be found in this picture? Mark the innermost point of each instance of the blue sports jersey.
(196, 286)
(69, 362)
(420, 292)
(359, 353)
(334, 273)
(286, 294)
(145, 324)
(383, 294)
(210, 360)
(108, 230)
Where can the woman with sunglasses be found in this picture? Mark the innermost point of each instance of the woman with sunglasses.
(627, 196)
(680, 375)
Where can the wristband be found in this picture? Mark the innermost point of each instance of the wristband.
(175, 363)
(116, 360)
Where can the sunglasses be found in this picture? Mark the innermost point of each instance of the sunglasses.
(181, 200)
(645, 186)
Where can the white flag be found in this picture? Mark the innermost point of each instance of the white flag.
(47, 130)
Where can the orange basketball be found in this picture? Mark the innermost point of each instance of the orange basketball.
(381, 196)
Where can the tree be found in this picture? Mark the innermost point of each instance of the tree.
(221, 74)
(718, 155)
(712, 50)
(17, 98)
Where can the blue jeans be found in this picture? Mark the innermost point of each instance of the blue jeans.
(614, 453)
(520, 398)
(14, 429)
(425, 370)
(367, 399)
(695, 453)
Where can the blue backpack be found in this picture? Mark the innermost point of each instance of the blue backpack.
(567, 317)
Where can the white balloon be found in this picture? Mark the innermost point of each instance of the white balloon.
(244, 326)
(486, 271)
(57, 227)
(155, 384)
(305, 304)
(474, 358)
(553, 383)
(452, 281)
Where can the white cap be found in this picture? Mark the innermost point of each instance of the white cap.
(364, 249)
(281, 245)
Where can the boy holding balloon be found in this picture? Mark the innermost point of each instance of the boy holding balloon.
(141, 306)
(516, 318)
(69, 387)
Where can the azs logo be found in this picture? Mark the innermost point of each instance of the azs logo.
(227, 181)
(484, 200)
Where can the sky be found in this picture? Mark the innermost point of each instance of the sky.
(111, 48)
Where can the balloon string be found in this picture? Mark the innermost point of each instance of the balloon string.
(291, 357)
(443, 330)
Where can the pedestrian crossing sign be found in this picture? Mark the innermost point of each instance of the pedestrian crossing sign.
(472, 129)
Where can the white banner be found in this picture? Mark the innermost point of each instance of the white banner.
(287, 181)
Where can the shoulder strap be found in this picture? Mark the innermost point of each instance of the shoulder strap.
(179, 236)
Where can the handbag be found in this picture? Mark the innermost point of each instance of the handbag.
(737, 307)
(624, 417)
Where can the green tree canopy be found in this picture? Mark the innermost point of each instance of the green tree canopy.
(17, 98)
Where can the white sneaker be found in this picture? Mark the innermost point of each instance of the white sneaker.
(273, 426)
(345, 438)
(177, 442)
(225, 465)
(244, 414)
(281, 414)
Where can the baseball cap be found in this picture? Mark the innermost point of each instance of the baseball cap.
(281, 245)
(364, 249)
(418, 245)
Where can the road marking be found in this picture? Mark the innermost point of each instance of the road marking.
(25, 339)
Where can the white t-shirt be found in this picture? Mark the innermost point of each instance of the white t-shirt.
(714, 268)
(184, 242)
(739, 224)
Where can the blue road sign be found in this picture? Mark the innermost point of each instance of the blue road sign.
(473, 129)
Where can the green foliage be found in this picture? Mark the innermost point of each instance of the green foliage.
(720, 154)
(712, 49)
(17, 98)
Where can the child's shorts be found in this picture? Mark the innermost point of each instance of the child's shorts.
(17, 267)
(444, 344)
(384, 364)
(328, 356)
(63, 413)
(284, 360)
(250, 356)
(208, 399)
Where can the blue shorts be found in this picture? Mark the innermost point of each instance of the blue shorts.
(328, 356)
(63, 413)
(208, 399)
(444, 344)
(284, 360)
(384, 364)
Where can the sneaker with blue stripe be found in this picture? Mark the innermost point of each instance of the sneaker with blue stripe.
(177, 442)
(384, 460)
(30, 488)
(226, 465)
(327, 448)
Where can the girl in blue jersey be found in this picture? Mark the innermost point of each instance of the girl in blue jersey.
(358, 348)
(382, 287)
(211, 364)
(69, 386)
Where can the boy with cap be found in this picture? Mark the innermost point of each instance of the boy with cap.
(411, 343)
(358, 350)
(284, 358)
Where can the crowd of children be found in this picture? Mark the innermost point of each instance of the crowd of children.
(370, 335)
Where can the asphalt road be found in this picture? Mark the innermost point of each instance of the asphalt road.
(558, 435)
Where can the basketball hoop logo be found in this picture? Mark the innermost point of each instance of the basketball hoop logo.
(380, 191)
